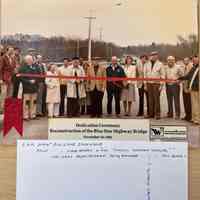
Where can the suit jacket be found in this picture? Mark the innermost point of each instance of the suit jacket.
(99, 84)
(140, 73)
(28, 86)
(71, 84)
(62, 71)
(7, 68)
(186, 71)
(157, 71)
(117, 72)
(53, 89)
(189, 77)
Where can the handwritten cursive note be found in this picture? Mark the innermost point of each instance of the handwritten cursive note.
(102, 170)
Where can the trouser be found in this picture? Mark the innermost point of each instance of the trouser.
(6, 91)
(53, 109)
(73, 107)
(154, 99)
(44, 96)
(187, 105)
(116, 93)
(29, 105)
(86, 107)
(40, 98)
(142, 92)
(96, 102)
(16, 83)
(63, 91)
(173, 97)
(195, 106)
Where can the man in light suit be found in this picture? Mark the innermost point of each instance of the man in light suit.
(96, 88)
(154, 69)
(75, 88)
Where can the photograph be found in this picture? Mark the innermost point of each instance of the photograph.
(99, 94)
(128, 60)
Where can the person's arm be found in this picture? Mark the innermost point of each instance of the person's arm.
(1, 69)
(88, 82)
(145, 76)
(162, 75)
(68, 73)
(83, 74)
(123, 75)
(187, 76)
(22, 78)
(48, 82)
(104, 81)
(180, 71)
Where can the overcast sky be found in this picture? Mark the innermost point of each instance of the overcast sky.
(135, 22)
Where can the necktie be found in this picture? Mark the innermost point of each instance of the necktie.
(77, 92)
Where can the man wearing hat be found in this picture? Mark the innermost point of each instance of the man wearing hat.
(154, 69)
(75, 88)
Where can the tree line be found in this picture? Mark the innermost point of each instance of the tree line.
(58, 47)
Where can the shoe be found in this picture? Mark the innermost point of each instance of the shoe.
(169, 116)
(196, 122)
(140, 115)
(148, 117)
(128, 114)
(188, 119)
(177, 118)
(39, 115)
(184, 118)
(157, 118)
(35, 118)
(118, 116)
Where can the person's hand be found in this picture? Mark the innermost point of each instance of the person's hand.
(32, 81)
(145, 87)
(1, 82)
(103, 90)
(160, 88)
(125, 83)
(77, 81)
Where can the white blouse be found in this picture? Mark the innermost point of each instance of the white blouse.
(130, 71)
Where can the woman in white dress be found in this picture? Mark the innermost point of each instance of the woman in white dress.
(128, 92)
(53, 92)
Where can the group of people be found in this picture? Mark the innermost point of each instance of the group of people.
(78, 87)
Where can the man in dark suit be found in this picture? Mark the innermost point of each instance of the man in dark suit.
(114, 88)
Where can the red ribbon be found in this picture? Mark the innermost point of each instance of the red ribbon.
(13, 116)
(96, 78)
